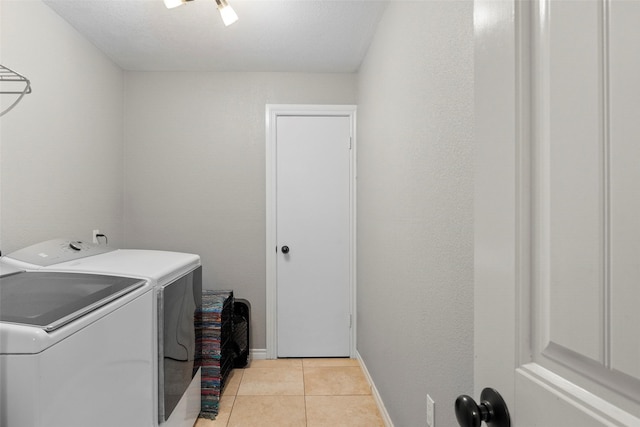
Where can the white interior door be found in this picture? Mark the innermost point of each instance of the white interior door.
(557, 210)
(313, 235)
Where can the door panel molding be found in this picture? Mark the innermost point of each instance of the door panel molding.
(515, 179)
(271, 115)
(592, 410)
(571, 142)
(623, 384)
(571, 169)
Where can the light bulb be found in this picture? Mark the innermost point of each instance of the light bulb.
(170, 4)
(227, 13)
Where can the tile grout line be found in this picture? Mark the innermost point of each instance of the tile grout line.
(235, 399)
(304, 394)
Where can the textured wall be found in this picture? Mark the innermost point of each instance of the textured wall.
(194, 177)
(415, 199)
(195, 168)
(61, 146)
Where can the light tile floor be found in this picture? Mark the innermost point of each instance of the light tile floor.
(297, 393)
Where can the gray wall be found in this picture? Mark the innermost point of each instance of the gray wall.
(195, 168)
(192, 177)
(415, 190)
(61, 154)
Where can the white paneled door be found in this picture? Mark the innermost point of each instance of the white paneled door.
(557, 246)
(313, 235)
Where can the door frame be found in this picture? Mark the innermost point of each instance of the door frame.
(272, 113)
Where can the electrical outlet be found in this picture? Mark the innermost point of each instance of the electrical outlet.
(95, 236)
(430, 412)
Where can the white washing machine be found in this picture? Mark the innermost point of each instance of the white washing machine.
(176, 282)
(75, 350)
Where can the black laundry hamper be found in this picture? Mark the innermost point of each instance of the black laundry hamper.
(241, 326)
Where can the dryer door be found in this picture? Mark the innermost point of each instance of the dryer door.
(178, 339)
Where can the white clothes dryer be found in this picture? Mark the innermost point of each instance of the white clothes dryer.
(176, 280)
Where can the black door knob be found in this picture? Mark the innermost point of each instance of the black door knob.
(492, 410)
(285, 249)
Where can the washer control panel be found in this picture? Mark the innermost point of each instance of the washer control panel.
(56, 251)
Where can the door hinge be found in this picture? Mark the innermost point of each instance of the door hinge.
(350, 321)
(350, 142)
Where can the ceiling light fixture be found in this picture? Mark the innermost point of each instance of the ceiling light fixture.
(227, 13)
(174, 3)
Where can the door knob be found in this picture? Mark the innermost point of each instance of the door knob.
(285, 249)
(492, 410)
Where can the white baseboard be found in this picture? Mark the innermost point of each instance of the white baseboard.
(258, 353)
(376, 396)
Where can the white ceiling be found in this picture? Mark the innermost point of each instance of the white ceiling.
(270, 35)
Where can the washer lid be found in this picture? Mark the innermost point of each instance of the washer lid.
(8, 269)
(50, 300)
